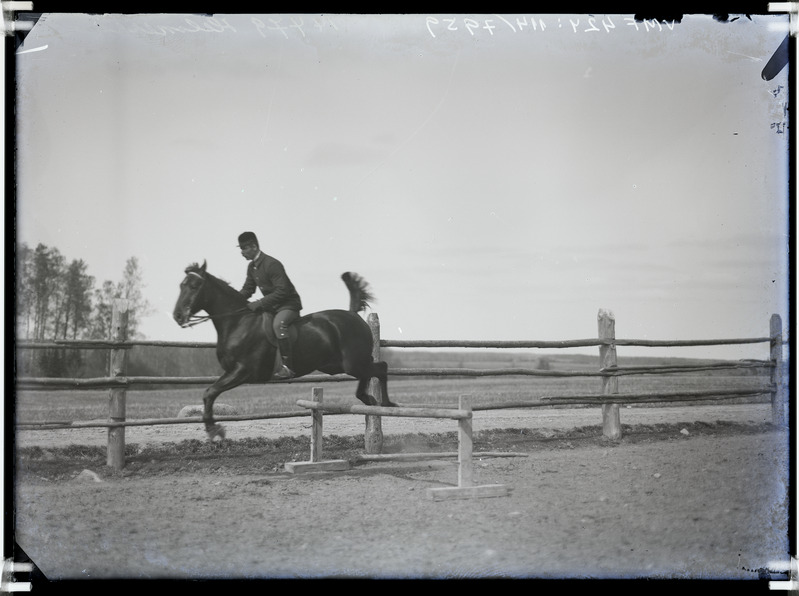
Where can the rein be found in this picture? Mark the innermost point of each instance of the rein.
(197, 319)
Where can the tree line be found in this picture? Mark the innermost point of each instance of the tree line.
(57, 299)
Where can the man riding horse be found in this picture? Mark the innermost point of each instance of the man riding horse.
(333, 341)
(279, 296)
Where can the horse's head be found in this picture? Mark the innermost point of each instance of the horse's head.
(191, 297)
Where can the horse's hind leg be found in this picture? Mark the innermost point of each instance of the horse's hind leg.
(381, 372)
(362, 393)
(377, 370)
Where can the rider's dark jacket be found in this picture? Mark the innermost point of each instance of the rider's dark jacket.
(267, 274)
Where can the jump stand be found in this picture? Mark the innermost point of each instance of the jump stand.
(466, 488)
(316, 464)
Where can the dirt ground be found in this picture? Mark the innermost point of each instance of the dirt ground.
(689, 492)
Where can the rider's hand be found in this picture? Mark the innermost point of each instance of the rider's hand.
(253, 306)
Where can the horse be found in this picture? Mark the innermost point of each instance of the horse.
(329, 341)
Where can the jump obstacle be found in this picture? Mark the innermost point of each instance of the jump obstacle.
(466, 488)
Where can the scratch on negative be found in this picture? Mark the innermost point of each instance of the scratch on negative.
(39, 49)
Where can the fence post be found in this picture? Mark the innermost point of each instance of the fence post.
(116, 400)
(778, 394)
(373, 435)
(316, 426)
(465, 469)
(611, 425)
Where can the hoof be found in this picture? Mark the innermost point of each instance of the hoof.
(389, 404)
(284, 374)
(217, 430)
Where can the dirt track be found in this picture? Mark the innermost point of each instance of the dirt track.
(658, 504)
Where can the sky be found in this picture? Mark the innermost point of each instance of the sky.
(493, 177)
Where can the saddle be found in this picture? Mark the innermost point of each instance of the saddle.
(267, 320)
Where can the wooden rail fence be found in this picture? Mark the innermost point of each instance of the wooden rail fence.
(609, 372)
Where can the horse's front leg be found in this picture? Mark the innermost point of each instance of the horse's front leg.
(232, 378)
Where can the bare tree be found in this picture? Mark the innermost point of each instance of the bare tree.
(130, 288)
(101, 317)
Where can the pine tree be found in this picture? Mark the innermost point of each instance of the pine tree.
(25, 297)
(48, 264)
(78, 305)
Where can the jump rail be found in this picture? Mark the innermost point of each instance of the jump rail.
(609, 372)
(466, 487)
(124, 381)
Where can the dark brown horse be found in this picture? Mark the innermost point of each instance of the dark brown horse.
(330, 341)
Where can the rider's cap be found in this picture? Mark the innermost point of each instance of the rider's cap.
(247, 238)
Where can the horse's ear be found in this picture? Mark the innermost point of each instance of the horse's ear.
(203, 267)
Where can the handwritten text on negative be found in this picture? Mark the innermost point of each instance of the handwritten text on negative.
(439, 25)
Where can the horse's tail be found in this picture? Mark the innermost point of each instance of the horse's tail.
(360, 294)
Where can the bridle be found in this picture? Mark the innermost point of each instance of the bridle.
(197, 319)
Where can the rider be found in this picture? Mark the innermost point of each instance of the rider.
(280, 296)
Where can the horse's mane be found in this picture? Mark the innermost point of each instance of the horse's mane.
(223, 285)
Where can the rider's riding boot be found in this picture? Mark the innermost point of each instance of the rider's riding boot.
(285, 352)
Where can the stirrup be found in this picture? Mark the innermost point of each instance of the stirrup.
(284, 373)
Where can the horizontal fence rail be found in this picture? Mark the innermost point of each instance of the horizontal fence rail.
(100, 344)
(539, 402)
(608, 371)
(53, 425)
(107, 382)
(605, 372)
(574, 343)
(129, 381)
(95, 344)
(589, 399)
